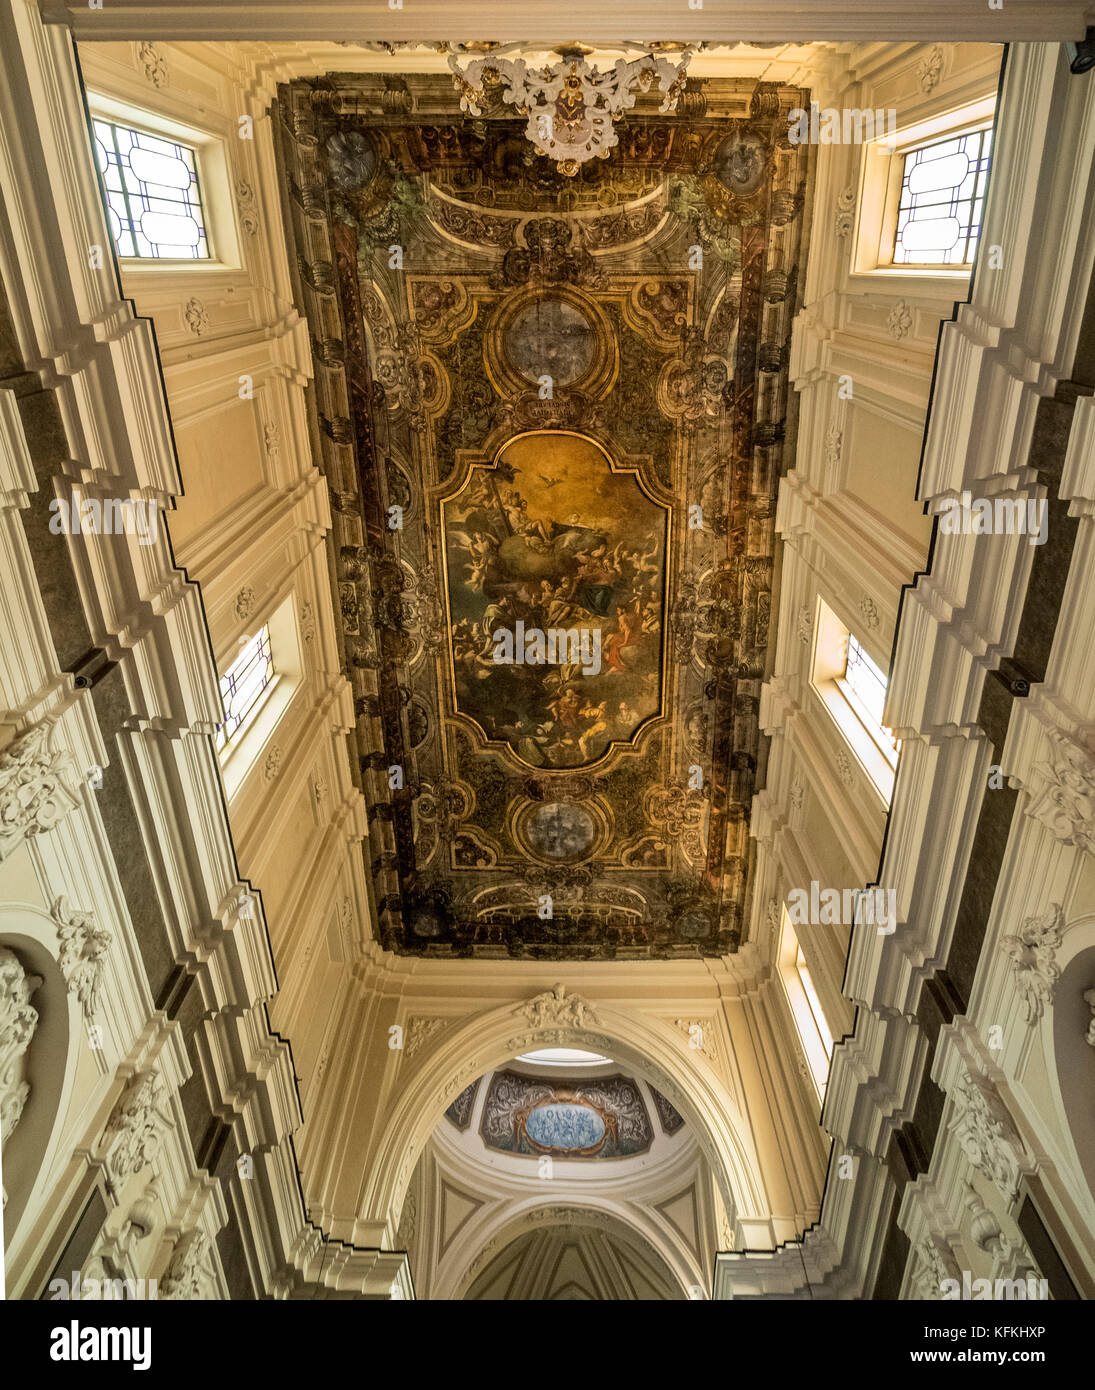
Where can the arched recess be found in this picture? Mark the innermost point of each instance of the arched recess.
(487, 1040)
(548, 1211)
(52, 1058)
(1070, 1056)
(545, 1215)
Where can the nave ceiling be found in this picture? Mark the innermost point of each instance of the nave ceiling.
(551, 402)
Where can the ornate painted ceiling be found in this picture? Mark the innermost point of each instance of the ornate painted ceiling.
(551, 408)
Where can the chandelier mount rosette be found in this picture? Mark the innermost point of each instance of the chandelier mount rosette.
(571, 106)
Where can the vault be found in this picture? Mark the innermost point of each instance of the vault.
(551, 408)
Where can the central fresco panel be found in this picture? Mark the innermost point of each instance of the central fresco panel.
(551, 409)
(555, 572)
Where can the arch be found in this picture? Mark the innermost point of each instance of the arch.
(609, 1193)
(532, 1217)
(1070, 1059)
(485, 1041)
(52, 1059)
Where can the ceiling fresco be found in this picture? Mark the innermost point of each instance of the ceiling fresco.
(551, 539)
(551, 409)
(459, 1112)
(599, 1118)
(669, 1116)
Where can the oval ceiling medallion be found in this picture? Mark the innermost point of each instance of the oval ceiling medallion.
(740, 161)
(559, 334)
(553, 337)
(559, 831)
(559, 1127)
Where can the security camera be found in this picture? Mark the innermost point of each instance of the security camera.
(1081, 56)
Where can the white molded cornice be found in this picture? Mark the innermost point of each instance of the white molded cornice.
(554, 20)
(1078, 475)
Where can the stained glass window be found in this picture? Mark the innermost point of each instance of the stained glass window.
(243, 683)
(153, 200)
(942, 200)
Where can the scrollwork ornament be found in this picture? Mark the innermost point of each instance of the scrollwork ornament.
(558, 1007)
(83, 949)
(33, 797)
(1066, 803)
(18, 1024)
(571, 107)
(1033, 949)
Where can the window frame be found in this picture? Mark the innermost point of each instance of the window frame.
(815, 1035)
(882, 164)
(191, 199)
(876, 754)
(247, 718)
(215, 187)
(888, 233)
(239, 754)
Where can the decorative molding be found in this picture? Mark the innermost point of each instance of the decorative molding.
(805, 624)
(936, 1264)
(197, 320)
(420, 1030)
(869, 612)
(272, 766)
(845, 211)
(307, 622)
(1010, 1258)
(407, 1220)
(930, 69)
(845, 767)
(152, 60)
(1089, 1000)
(134, 1131)
(82, 952)
(18, 1022)
(247, 207)
(558, 1007)
(797, 795)
(186, 1277)
(983, 1136)
(571, 107)
(1066, 804)
(245, 603)
(900, 320)
(1033, 948)
(702, 1040)
(33, 797)
(271, 440)
(834, 446)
